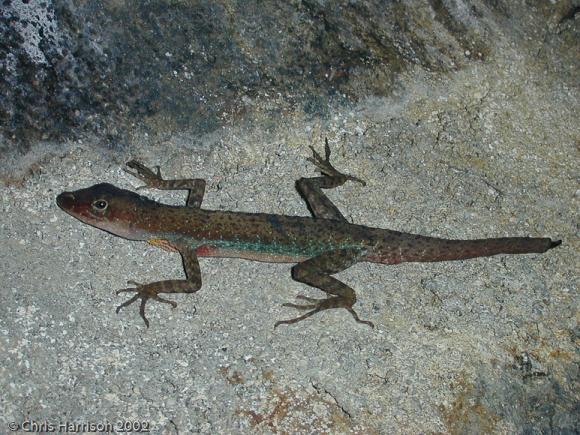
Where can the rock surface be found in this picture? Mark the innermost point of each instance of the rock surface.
(104, 67)
(460, 115)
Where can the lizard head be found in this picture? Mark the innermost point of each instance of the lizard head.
(107, 207)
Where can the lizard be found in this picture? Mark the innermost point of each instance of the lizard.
(319, 246)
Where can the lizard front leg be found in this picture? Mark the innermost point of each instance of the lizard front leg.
(195, 186)
(311, 188)
(316, 272)
(152, 290)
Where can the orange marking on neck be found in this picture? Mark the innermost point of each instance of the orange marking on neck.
(163, 244)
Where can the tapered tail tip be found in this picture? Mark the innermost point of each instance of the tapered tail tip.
(555, 243)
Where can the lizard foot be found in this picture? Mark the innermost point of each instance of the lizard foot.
(326, 167)
(143, 173)
(318, 305)
(143, 292)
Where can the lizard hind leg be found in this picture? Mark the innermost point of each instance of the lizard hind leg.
(316, 272)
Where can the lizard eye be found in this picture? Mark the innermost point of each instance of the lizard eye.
(100, 205)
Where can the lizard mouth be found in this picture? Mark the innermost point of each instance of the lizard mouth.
(65, 200)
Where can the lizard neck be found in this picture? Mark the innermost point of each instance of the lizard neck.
(161, 221)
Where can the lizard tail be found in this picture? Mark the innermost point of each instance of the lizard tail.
(428, 249)
(445, 250)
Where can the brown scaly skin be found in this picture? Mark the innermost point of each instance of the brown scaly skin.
(321, 246)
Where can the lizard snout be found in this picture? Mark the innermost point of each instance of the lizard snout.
(65, 200)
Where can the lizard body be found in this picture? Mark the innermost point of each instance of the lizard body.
(321, 246)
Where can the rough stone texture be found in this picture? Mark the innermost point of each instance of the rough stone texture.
(451, 143)
(69, 68)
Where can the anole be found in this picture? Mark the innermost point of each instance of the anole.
(320, 246)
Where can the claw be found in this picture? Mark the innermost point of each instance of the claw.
(130, 289)
(326, 167)
(144, 300)
(129, 302)
(356, 179)
(142, 311)
(134, 174)
(306, 298)
(326, 149)
(141, 292)
(165, 301)
(143, 173)
(140, 167)
(316, 158)
(297, 319)
(319, 305)
(300, 307)
(355, 315)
